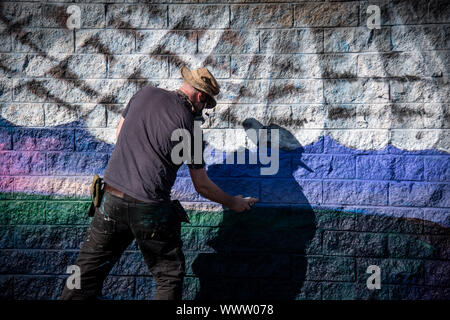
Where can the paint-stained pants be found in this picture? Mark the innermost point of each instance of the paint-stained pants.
(114, 226)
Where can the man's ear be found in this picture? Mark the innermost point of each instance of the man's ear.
(199, 96)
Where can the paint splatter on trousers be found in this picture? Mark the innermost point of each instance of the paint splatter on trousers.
(114, 226)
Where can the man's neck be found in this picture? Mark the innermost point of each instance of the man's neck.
(189, 101)
(185, 92)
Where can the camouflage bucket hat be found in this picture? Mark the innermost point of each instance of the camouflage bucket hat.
(201, 79)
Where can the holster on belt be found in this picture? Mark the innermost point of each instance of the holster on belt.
(97, 191)
(179, 210)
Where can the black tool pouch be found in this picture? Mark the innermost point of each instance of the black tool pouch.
(179, 210)
(97, 191)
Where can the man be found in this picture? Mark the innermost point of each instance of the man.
(139, 177)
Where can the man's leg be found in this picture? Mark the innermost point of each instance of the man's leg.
(107, 238)
(167, 268)
(158, 234)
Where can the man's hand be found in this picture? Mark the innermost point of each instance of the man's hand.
(211, 191)
(241, 204)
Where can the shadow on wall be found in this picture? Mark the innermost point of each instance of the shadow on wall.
(254, 251)
(290, 251)
(253, 255)
(294, 252)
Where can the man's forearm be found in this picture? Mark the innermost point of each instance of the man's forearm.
(212, 192)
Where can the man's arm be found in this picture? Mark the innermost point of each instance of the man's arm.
(119, 127)
(211, 191)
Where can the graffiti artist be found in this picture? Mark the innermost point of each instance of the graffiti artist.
(138, 181)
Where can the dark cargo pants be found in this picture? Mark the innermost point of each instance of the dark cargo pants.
(114, 226)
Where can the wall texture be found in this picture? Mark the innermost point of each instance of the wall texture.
(364, 117)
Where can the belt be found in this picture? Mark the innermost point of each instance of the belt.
(120, 194)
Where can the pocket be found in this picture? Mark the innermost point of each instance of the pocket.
(178, 209)
(174, 226)
(111, 206)
(159, 224)
(101, 232)
(103, 223)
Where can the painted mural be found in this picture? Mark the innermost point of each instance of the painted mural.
(363, 117)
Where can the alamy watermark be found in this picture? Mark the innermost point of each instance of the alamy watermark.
(374, 281)
(74, 280)
(191, 152)
(74, 20)
(373, 22)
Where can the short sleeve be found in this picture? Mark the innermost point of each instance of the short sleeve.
(125, 111)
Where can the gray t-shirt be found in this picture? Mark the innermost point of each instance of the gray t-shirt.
(141, 164)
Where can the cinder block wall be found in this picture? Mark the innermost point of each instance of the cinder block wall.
(364, 122)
